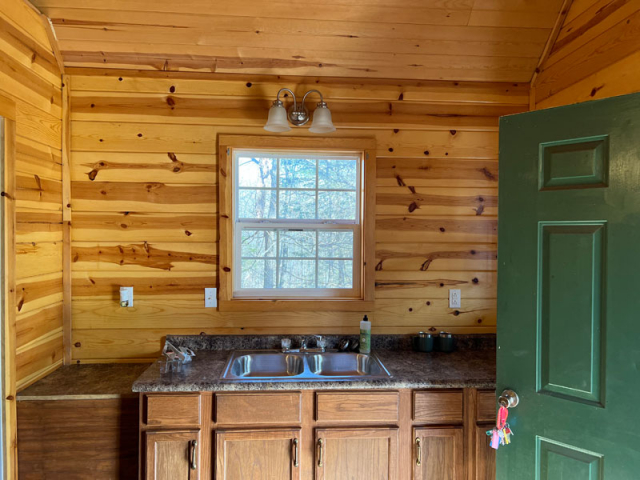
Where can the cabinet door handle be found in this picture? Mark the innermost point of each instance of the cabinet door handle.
(295, 452)
(418, 451)
(320, 444)
(193, 446)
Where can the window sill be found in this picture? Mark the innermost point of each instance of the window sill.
(277, 305)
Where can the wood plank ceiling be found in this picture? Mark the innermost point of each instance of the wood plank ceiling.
(480, 40)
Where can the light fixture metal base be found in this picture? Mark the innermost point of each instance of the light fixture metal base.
(299, 116)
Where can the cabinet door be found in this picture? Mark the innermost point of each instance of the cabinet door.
(173, 455)
(356, 454)
(485, 455)
(438, 454)
(258, 454)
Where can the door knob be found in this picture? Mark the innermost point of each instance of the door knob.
(508, 399)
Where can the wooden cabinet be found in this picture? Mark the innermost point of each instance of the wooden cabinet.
(173, 455)
(485, 456)
(357, 406)
(258, 454)
(438, 453)
(318, 435)
(173, 410)
(356, 454)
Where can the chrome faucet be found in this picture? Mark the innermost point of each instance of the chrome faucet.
(320, 346)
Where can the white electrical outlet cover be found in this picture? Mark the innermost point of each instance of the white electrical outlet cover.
(210, 297)
(455, 298)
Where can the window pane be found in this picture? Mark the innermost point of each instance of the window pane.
(297, 244)
(297, 173)
(256, 203)
(257, 172)
(332, 244)
(338, 174)
(297, 274)
(335, 274)
(337, 205)
(258, 243)
(297, 204)
(258, 274)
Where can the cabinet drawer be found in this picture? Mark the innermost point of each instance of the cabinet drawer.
(169, 410)
(437, 407)
(486, 406)
(258, 408)
(357, 406)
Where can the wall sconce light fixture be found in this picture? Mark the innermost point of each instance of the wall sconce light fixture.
(298, 115)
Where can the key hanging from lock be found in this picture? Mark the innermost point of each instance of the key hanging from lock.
(501, 433)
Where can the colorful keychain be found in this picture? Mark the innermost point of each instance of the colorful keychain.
(501, 433)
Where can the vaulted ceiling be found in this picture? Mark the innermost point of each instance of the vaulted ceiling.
(484, 40)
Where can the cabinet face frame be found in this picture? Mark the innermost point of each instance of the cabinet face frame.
(424, 433)
(293, 434)
(328, 434)
(154, 437)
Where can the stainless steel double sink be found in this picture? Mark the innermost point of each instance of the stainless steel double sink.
(269, 365)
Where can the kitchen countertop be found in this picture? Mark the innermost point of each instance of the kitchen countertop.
(460, 369)
(86, 382)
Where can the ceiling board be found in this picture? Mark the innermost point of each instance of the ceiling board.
(476, 40)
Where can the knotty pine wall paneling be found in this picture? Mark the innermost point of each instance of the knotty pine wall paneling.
(30, 76)
(596, 54)
(144, 201)
(30, 83)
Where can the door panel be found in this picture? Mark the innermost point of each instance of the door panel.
(438, 454)
(267, 454)
(172, 455)
(356, 454)
(570, 301)
(568, 275)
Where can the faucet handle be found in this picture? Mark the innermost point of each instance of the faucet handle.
(285, 343)
(321, 342)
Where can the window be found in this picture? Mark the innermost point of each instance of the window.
(296, 224)
(297, 221)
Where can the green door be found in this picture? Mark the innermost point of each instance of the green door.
(569, 291)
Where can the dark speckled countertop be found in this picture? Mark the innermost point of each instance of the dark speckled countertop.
(470, 366)
(473, 365)
(86, 382)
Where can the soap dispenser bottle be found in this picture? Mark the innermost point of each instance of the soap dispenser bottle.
(365, 335)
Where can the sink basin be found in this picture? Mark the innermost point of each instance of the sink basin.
(270, 365)
(261, 365)
(344, 364)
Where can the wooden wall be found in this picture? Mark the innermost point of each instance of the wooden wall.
(143, 171)
(596, 54)
(30, 76)
(78, 439)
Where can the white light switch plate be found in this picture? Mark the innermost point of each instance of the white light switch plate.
(210, 297)
(126, 296)
(455, 300)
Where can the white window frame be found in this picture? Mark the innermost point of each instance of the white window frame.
(240, 224)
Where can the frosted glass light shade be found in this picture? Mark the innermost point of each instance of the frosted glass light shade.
(322, 120)
(277, 121)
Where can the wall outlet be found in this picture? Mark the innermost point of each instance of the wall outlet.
(210, 297)
(455, 298)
